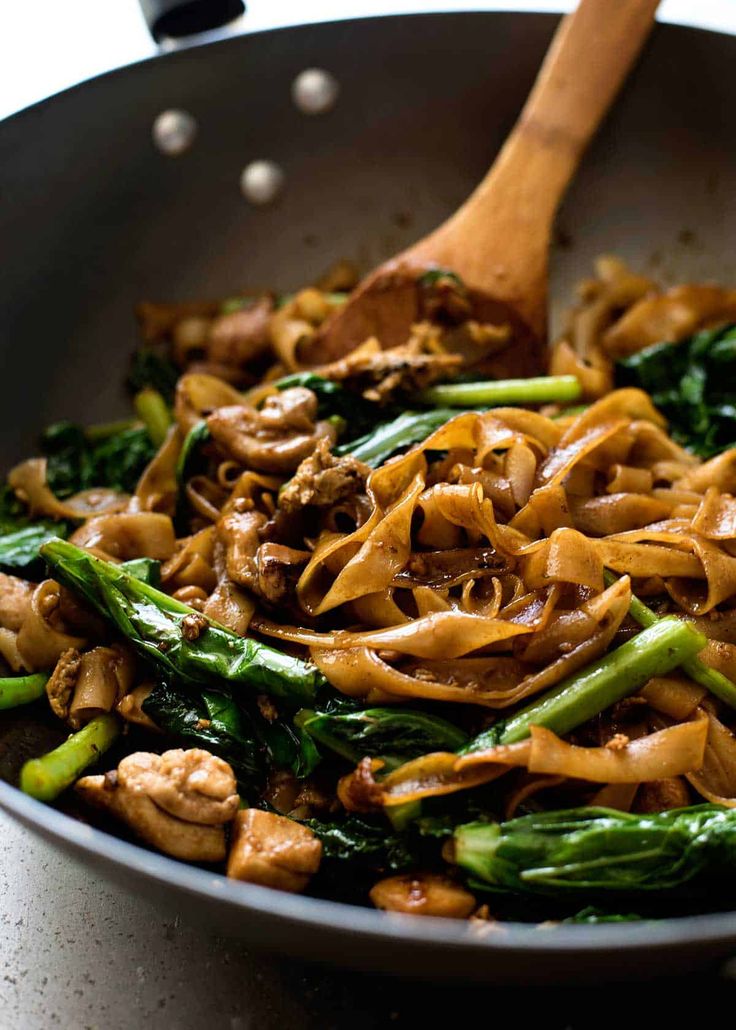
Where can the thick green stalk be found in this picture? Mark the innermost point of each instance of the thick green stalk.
(598, 849)
(536, 390)
(46, 777)
(653, 652)
(721, 686)
(153, 411)
(21, 690)
(172, 636)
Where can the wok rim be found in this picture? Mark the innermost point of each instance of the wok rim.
(315, 914)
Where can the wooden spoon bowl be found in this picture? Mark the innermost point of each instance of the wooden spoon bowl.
(498, 241)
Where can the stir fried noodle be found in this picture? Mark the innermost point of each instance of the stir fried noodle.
(389, 628)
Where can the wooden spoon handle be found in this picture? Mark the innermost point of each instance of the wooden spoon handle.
(587, 63)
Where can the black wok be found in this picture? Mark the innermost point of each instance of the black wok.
(93, 218)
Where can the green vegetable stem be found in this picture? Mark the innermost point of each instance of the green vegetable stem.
(386, 439)
(46, 777)
(21, 690)
(598, 849)
(653, 652)
(712, 679)
(173, 637)
(154, 413)
(490, 393)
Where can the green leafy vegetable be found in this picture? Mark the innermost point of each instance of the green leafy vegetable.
(19, 550)
(188, 455)
(692, 384)
(653, 652)
(147, 570)
(150, 368)
(591, 915)
(211, 721)
(394, 734)
(599, 849)
(21, 690)
(233, 729)
(13, 513)
(386, 439)
(46, 777)
(197, 651)
(333, 399)
(77, 462)
(368, 845)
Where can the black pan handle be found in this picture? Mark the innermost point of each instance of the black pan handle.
(174, 19)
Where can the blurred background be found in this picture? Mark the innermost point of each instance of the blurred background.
(49, 45)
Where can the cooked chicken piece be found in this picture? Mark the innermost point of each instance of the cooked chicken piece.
(279, 568)
(323, 480)
(275, 438)
(190, 842)
(423, 894)
(130, 707)
(62, 682)
(272, 850)
(178, 802)
(240, 336)
(15, 601)
(191, 785)
(358, 790)
(238, 531)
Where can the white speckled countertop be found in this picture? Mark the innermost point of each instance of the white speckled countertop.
(77, 953)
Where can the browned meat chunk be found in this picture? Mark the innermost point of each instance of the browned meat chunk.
(423, 894)
(178, 802)
(239, 337)
(62, 682)
(273, 851)
(278, 571)
(323, 480)
(275, 438)
(381, 374)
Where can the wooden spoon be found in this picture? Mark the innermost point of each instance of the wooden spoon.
(498, 241)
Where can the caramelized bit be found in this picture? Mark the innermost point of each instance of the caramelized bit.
(423, 894)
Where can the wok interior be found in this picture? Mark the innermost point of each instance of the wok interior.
(176, 229)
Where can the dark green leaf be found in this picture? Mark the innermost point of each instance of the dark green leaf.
(76, 462)
(398, 733)
(150, 367)
(19, 551)
(691, 383)
(211, 721)
(154, 625)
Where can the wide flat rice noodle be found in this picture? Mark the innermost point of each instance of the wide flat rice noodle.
(670, 752)
(715, 780)
(439, 635)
